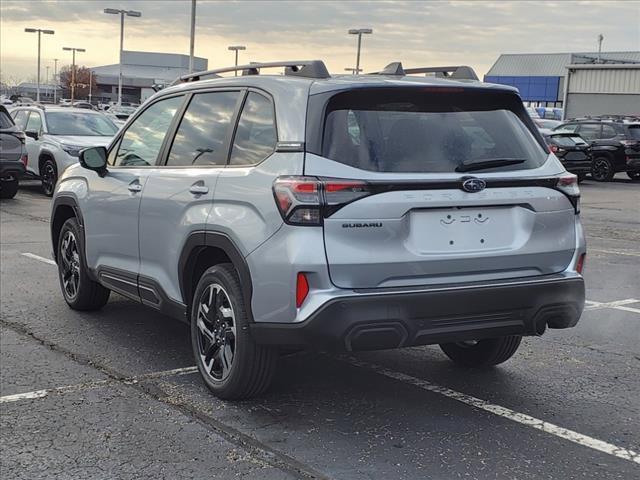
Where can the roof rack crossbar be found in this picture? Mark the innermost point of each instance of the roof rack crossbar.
(460, 72)
(300, 68)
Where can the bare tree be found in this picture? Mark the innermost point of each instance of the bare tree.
(82, 81)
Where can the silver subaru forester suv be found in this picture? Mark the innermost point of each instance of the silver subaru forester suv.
(406, 207)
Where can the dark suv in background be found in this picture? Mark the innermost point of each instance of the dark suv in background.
(13, 155)
(615, 144)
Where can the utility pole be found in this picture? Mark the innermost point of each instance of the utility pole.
(122, 13)
(38, 31)
(359, 32)
(90, 82)
(192, 40)
(46, 82)
(236, 48)
(73, 69)
(55, 80)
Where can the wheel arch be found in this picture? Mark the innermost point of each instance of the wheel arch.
(46, 155)
(64, 207)
(203, 250)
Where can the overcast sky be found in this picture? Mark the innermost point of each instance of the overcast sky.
(417, 33)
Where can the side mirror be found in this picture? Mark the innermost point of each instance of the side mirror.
(94, 158)
(32, 134)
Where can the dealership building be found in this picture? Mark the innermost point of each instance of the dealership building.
(588, 83)
(140, 72)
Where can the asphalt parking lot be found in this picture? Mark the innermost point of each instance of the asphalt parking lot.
(114, 394)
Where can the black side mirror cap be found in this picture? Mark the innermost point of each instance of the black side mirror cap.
(32, 134)
(94, 158)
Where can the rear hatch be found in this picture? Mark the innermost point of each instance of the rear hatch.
(11, 139)
(447, 185)
(569, 147)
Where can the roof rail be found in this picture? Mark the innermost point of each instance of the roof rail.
(300, 68)
(460, 72)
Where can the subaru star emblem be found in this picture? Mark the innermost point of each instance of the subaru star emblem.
(473, 185)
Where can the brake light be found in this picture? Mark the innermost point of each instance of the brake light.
(580, 264)
(25, 159)
(568, 184)
(553, 148)
(302, 289)
(303, 200)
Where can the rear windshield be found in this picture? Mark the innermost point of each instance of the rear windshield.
(429, 130)
(567, 140)
(634, 131)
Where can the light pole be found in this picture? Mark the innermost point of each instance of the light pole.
(192, 40)
(55, 80)
(122, 13)
(90, 82)
(38, 31)
(46, 81)
(236, 48)
(73, 69)
(600, 39)
(359, 32)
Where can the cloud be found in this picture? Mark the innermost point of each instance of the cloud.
(415, 32)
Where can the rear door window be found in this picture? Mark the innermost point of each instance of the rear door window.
(203, 135)
(590, 131)
(410, 130)
(608, 131)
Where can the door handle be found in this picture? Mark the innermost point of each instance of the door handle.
(199, 188)
(135, 186)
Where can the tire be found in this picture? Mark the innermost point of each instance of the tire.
(581, 177)
(635, 176)
(79, 290)
(602, 169)
(49, 176)
(232, 365)
(8, 187)
(483, 353)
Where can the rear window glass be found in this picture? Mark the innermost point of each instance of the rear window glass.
(416, 130)
(568, 141)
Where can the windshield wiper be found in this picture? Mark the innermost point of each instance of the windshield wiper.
(495, 162)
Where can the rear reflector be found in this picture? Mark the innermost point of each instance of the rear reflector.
(302, 289)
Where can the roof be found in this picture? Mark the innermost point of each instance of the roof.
(551, 64)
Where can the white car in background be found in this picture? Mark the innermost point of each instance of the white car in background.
(55, 136)
(545, 125)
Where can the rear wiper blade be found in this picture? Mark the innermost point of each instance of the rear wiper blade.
(495, 162)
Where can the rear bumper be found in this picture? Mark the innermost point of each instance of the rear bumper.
(371, 321)
(14, 168)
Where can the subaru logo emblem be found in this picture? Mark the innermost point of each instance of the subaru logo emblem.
(473, 185)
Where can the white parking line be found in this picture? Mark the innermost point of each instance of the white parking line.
(39, 258)
(618, 305)
(614, 252)
(521, 418)
(99, 383)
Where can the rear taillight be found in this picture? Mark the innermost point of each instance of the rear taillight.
(580, 264)
(568, 184)
(304, 200)
(553, 148)
(25, 159)
(302, 289)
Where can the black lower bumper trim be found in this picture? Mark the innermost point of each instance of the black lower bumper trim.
(372, 322)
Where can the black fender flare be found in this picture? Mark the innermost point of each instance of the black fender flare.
(202, 239)
(70, 200)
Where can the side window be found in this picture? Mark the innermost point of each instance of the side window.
(20, 117)
(111, 158)
(569, 127)
(142, 141)
(256, 133)
(202, 137)
(590, 131)
(608, 131)
(34, 123)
